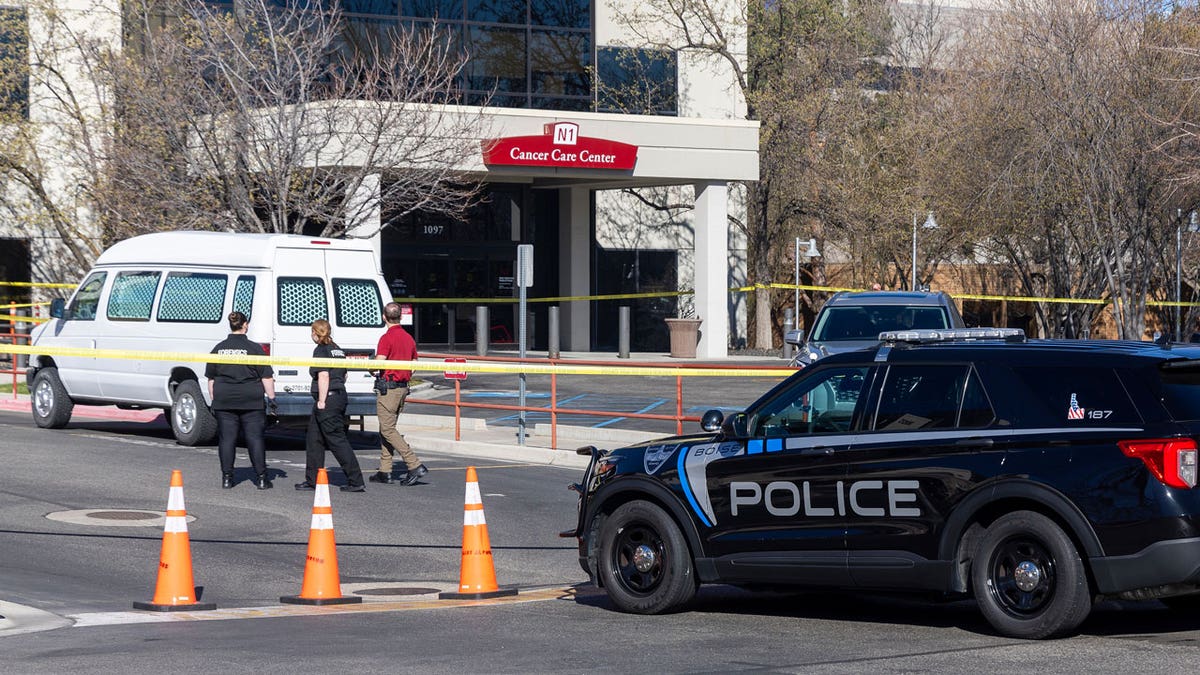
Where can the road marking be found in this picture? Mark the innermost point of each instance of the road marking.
(283, 611)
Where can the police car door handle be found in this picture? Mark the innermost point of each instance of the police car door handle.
(975, 442)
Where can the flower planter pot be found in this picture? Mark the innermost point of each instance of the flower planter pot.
(685, 335)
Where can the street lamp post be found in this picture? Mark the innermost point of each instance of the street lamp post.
(1192, 227)
(810, 254)
(930, 224)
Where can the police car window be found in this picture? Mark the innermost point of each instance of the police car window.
(87, 298)
(132, 296)
(192, 297)
(302, 301)
(976, 409)
(920, 397)
(357, 303)
(1075, 396)
(243, 295)
(821, 403)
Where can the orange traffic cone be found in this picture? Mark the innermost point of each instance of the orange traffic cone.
(477, 578)
(176, 589)
(321, 583)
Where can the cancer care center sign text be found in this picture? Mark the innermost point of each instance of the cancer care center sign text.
(560, 146)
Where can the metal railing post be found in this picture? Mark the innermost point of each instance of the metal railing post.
(789, 322)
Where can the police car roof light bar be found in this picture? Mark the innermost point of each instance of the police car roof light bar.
(952, 335)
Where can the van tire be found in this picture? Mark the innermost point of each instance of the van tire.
(192, 420)
(51, 404)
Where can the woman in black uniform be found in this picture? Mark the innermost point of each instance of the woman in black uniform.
(237, 394)
(326, 430)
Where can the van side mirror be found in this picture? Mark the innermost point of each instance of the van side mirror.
(734, 426)
(57, 308)
(712, 419)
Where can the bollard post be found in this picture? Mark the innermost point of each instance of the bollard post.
(789, 322)
(451, 320)
(552, 333)
(481, 330)
(623, 332)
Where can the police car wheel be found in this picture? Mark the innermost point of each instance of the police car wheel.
(191, 419)
(645, 565)
(1028, 578)
(51, 404)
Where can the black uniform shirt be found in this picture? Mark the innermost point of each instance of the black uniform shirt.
(235, 386)
(337, 376)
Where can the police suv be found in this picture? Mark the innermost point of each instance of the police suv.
(1036, 476)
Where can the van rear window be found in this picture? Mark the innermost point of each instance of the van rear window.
(192, 297)
(243, 295)
(358, 303)
(302, 301)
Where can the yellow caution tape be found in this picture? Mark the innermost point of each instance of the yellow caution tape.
(35, 284)
(26, 319)
(374, 364)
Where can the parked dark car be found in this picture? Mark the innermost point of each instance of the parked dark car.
(851, 321)
(1035, 476)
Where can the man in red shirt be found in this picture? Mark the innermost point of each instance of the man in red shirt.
(391, 388)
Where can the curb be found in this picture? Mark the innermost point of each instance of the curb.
(18, 619)
(497, 451)
(98, 412)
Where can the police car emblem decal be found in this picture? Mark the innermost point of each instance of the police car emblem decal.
(1075, 412)
(656, 456)
(693, 474)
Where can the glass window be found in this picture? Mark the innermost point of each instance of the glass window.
(920, 397)
(432, 9)
(497, 60)
(636, 81)
(821, 403)
(559, 63)
(496, 11)
(561, 13)
(1076, 396)
(193, 297)
(976, 408)
(302, 301)
(379, 7)
(87, 299)
(132, 296)
(243, 295)
(866, 322)
(358, 303)
(14, 62)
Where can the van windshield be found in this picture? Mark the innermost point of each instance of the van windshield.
(866, 322)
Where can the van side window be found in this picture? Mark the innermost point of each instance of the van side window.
(87, 298)
(302, 300)
(132, 296)
(243, 295)
(192, 297)
(357, 302)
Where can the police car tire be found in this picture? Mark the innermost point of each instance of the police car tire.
(48, 385)
(1059, 602)
(204, 426)
(671, 580)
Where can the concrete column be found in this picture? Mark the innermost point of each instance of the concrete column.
(712, 269)
(575, 266)
(363, 214)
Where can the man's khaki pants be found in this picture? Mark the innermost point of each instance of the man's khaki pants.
(388, 408)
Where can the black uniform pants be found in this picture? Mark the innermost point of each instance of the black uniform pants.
(327, 431)
(252, 424)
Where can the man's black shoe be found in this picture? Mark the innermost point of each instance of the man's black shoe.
(353, 488)
(305, 486)
(414, 475)
(263, 483)
(226, 480)
(380, 477)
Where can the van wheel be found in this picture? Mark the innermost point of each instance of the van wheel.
(191, 419)
(52, 406)
(1028, 578)
(644, 562)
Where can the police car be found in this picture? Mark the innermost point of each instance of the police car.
(1036, 476)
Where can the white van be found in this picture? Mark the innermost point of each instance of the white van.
(172, 292)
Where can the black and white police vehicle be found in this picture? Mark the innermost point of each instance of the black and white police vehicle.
(1036, 476)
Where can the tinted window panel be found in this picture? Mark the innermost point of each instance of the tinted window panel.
(384, 7)
(432, 9)
(920, 397)
(14, 61)
(87, 299)
(976, 408)
(198, 298)
(302, 301)
(496, 11)
(243, 295)
(821, 403)
(358, 303)
(132, 296)
(638, 81)
(559, 63)
(497, 60)
(561, 13)
(1066, 396)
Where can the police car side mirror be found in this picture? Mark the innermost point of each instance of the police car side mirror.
(712, 419)
(734, 426)
(58, 308)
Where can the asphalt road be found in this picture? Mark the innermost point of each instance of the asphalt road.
(248, 549)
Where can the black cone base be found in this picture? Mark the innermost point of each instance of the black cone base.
(297, 600)
(450, 595)
(193, 607)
